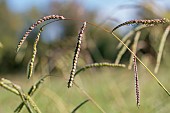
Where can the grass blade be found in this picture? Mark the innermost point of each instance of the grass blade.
(128, 35)
(121, 52)
(7, 85)
(32, 90)
(161, 47)
(93, 101)
(81, 104)
(134, 48)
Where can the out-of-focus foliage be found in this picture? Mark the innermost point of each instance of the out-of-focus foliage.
(13, 26)
(112, 89)
(58, 39)
(10, 25)
(152, 36)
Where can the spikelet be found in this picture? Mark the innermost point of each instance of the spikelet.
(76, 55)
(31, 63)
(145, 22)
(103, 64)
(136, 82)
(34, 25)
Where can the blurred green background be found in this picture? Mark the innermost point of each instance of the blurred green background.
(112, 89)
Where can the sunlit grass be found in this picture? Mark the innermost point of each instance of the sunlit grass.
(112, 89)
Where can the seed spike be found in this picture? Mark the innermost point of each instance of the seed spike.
(103, 64)
(76, 55)
(136, 82)
(31, 64)
(35, 25)
(151, 22)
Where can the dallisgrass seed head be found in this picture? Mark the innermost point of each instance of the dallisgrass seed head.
(76, 55)
(137, 93)
(31, 64)
(161, 85)
(151, 22)
(103, 64)
(57, 17)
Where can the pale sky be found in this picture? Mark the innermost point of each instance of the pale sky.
(105, 8)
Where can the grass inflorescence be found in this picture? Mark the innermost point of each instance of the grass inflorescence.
(136, 82)
(150, 22)
(104, 64)
(76, 55)
(31, 63)
(26, 98)
(57, 17)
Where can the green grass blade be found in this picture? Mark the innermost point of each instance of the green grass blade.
(81, 104)
(161, 47)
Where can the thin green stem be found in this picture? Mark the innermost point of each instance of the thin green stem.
(90, 98)
(81, 104)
